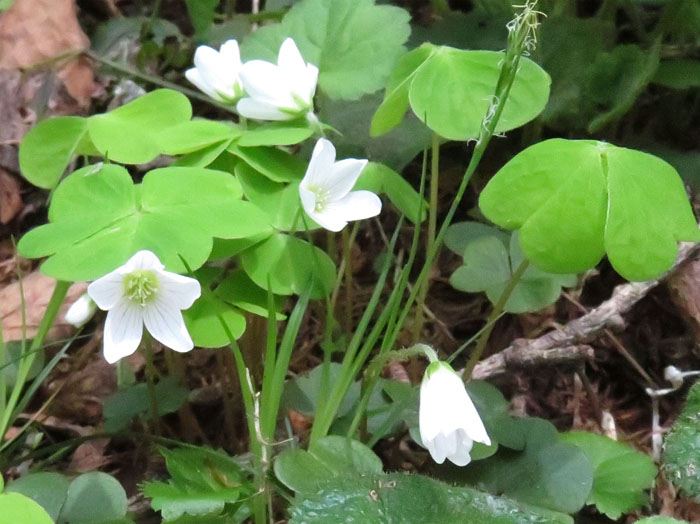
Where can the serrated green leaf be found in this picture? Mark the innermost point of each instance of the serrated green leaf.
(452, 78)
(354, 43)
(575, 200)
(681, 456)
(99, 218)
(620, 473)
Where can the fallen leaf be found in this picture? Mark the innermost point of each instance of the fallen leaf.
(10, 199)
(37, 292)
(89, 456)
(37, 33)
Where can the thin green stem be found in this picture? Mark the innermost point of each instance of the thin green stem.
(230, 9)
(3, 373)
(432, 228)
(59, 293)
(151, 380)
(496, 312)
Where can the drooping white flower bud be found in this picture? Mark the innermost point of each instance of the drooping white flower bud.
(81, 311)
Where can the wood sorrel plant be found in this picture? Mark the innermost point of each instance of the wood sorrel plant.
(238, 212)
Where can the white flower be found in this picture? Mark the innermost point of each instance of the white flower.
(449, 423)
(80, 311)
(278, 92)
(325, 190)
(216, 73)
(141, 292)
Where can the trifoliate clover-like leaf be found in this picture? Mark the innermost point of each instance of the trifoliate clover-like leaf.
(489, 263)
(98, 218)
(573, 201)
(435, 80)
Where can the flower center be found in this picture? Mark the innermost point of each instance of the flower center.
(322, 197)
(141, 286)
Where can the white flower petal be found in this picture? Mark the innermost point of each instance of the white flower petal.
(143, 260)
(263, 81)
(165, 323)
(194, 76)
(123, 331)
(329, 220)
(342, 177)
(231, 54)
(311, 80)
(81, 311)
(289, 58)
(448, 421)
(177, 290)
(107, 290)
(320, 165)
(260, 110)
(308, 199)
(357, 205)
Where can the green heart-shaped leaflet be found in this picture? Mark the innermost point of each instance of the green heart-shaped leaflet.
(98, 218)
(450, 91)
(576, 200)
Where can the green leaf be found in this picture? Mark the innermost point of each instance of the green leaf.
(678, 74)
(392, 110)
(305, 471)
(239, 290)
(547, 473)
(661, 520)
(202, 482)
(129, 134)
(681, 457)
(133, 401)
(47, 489)
(93, 498)
(289, 263)
(460, 234)
(446, 78)
(99, 218)
(195, 135)
(201, 15)
(379, 178)
(410, 499)
(493, 409)
(354, 43)
(203, 321)
(280, 202)
(275, 164)
(276, 134)
(111, 35)
(489, 266)
(303, 393)
(48, 148)
(15, 508)
(573, 201)
(620, 473)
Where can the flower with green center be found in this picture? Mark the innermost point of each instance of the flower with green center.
(142, 292)
(326, 194)
(448, 421)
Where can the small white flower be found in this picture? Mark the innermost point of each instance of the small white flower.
(326, 194)
(141, 292)
(279, 92)
(449, 423)
(81, 311)
(216, 73)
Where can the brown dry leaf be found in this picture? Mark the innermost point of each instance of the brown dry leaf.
(36, 32)
(37, 292)
(10, 199)
(89, 456)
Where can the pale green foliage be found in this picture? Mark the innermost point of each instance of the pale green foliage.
(451, 90)
(15, 507)
(490, 259)
(575, 200)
